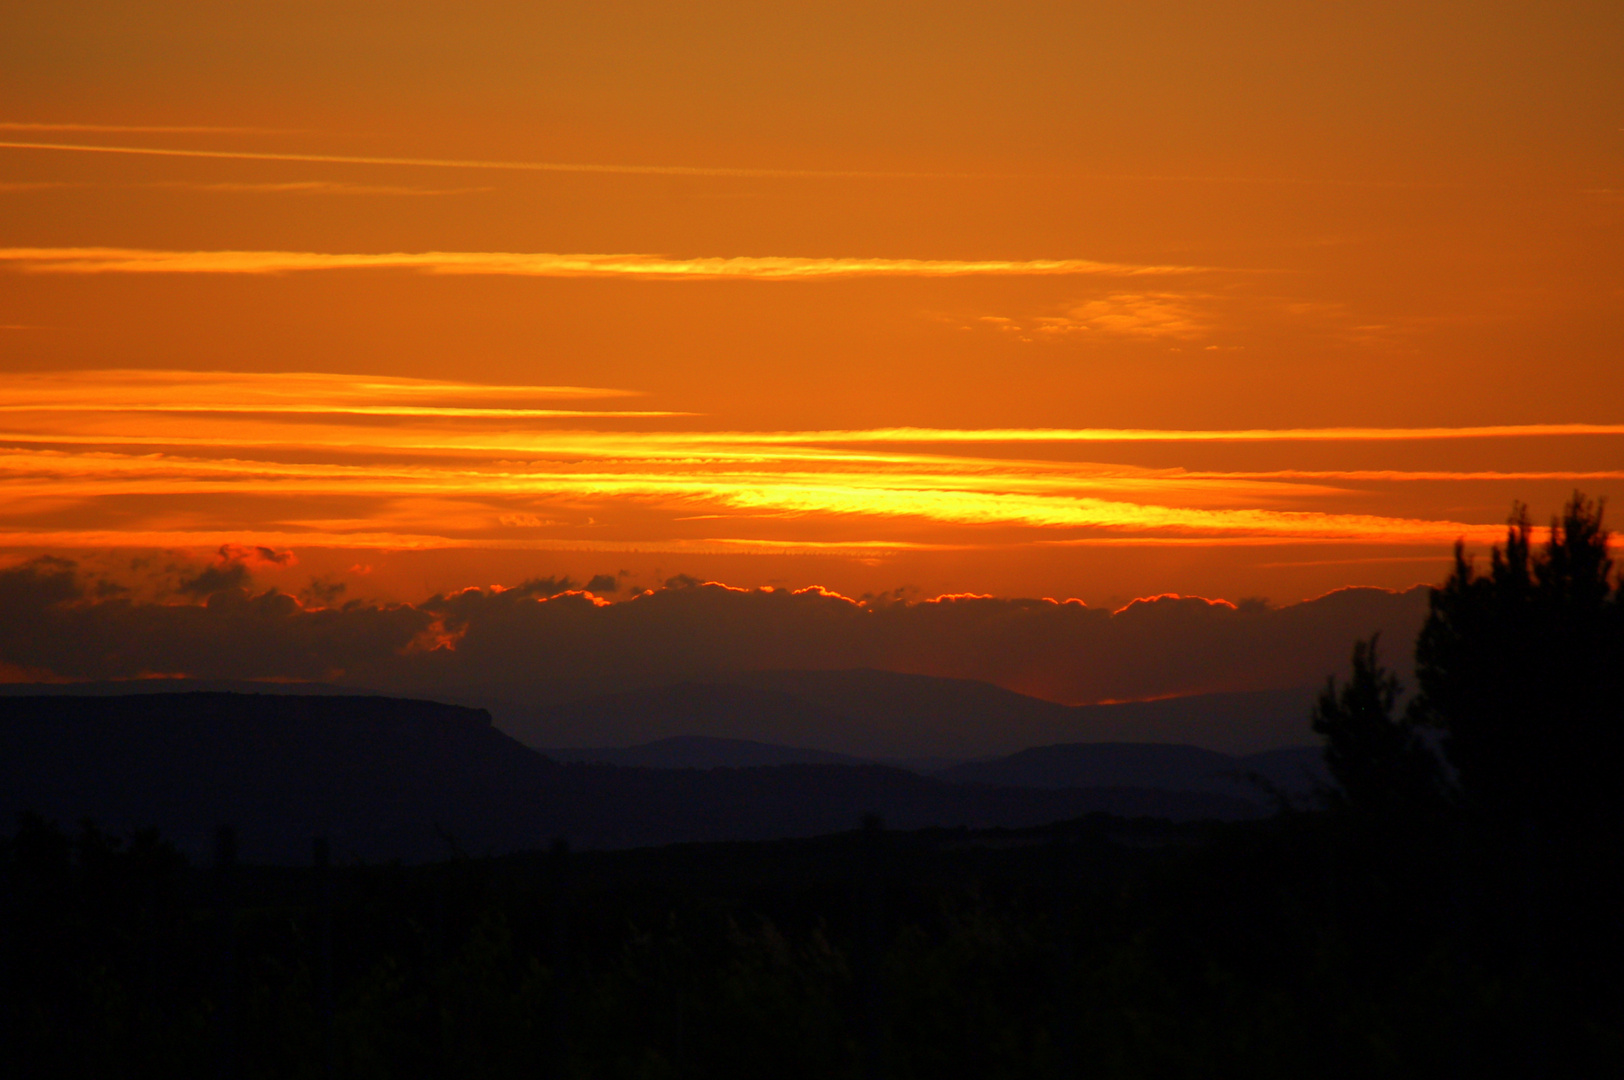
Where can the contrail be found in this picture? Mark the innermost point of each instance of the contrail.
(514, 166)
(651, 170)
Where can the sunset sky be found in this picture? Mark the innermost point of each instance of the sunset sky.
(1097, 301)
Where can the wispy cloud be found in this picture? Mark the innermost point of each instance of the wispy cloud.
(288, 187)
(360, 540)
(143, 129)
(510, 166)
(471, 497)
(1400, 476)
(1147, 315)
(128, 391)
(779, 268)
(271, 458)
(18, 186)
(312, 187)
(645, 170)
(1132, 314)
(1175, 314)
(1066, 435)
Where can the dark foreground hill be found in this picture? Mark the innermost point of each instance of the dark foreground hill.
(390, 778)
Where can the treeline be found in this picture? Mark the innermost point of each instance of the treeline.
(1451, 908)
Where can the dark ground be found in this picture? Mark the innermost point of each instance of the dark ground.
(1098, 947)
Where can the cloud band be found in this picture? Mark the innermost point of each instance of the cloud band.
(546, 264)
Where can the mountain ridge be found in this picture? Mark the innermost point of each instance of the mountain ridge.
(861, 712)
(877, 714)
(396, 778)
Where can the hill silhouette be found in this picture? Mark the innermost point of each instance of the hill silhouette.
(927, 721)
(881, 714)
(393, 778)
(704, 752)
(1293, 770)
(128, 687)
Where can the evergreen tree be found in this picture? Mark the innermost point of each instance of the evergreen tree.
(1380, 764)
(1522, 671)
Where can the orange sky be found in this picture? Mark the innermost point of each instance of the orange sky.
(1092, 300)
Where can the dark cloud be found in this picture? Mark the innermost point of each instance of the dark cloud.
(36, 584)
(217, 578)
(250, 554)
(603, 584)
(542, 588)
(233, 569)
(48, 624)
(528, 639)
(1062, 651)
(322, 591)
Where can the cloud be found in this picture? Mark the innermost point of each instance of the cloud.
(1426, 475)
(1064, 435)
(313, 187)
(465, 498)
(544, 264)
(456, 163)
(216, 579)
(233, 569)
(539, 588)
(322, 592)
(294, 460)
(39, 584)
(1176, 317)
(153, 129)
(47, 619)
(650, 170)
(1147, 315)
(257, 555)
(116, 390)
(541, 634)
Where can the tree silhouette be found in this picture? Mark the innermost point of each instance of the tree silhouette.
(1380, 764)
(1522, 671)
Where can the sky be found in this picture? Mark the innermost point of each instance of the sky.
(371, 303)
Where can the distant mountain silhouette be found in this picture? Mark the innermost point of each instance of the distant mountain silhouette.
(1294, 770)
(126, 687)
(637, 717)
(881, 714)
(1148, 765)
(389, 778)
(923, 720)
(1290, 768)
(704, 752)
